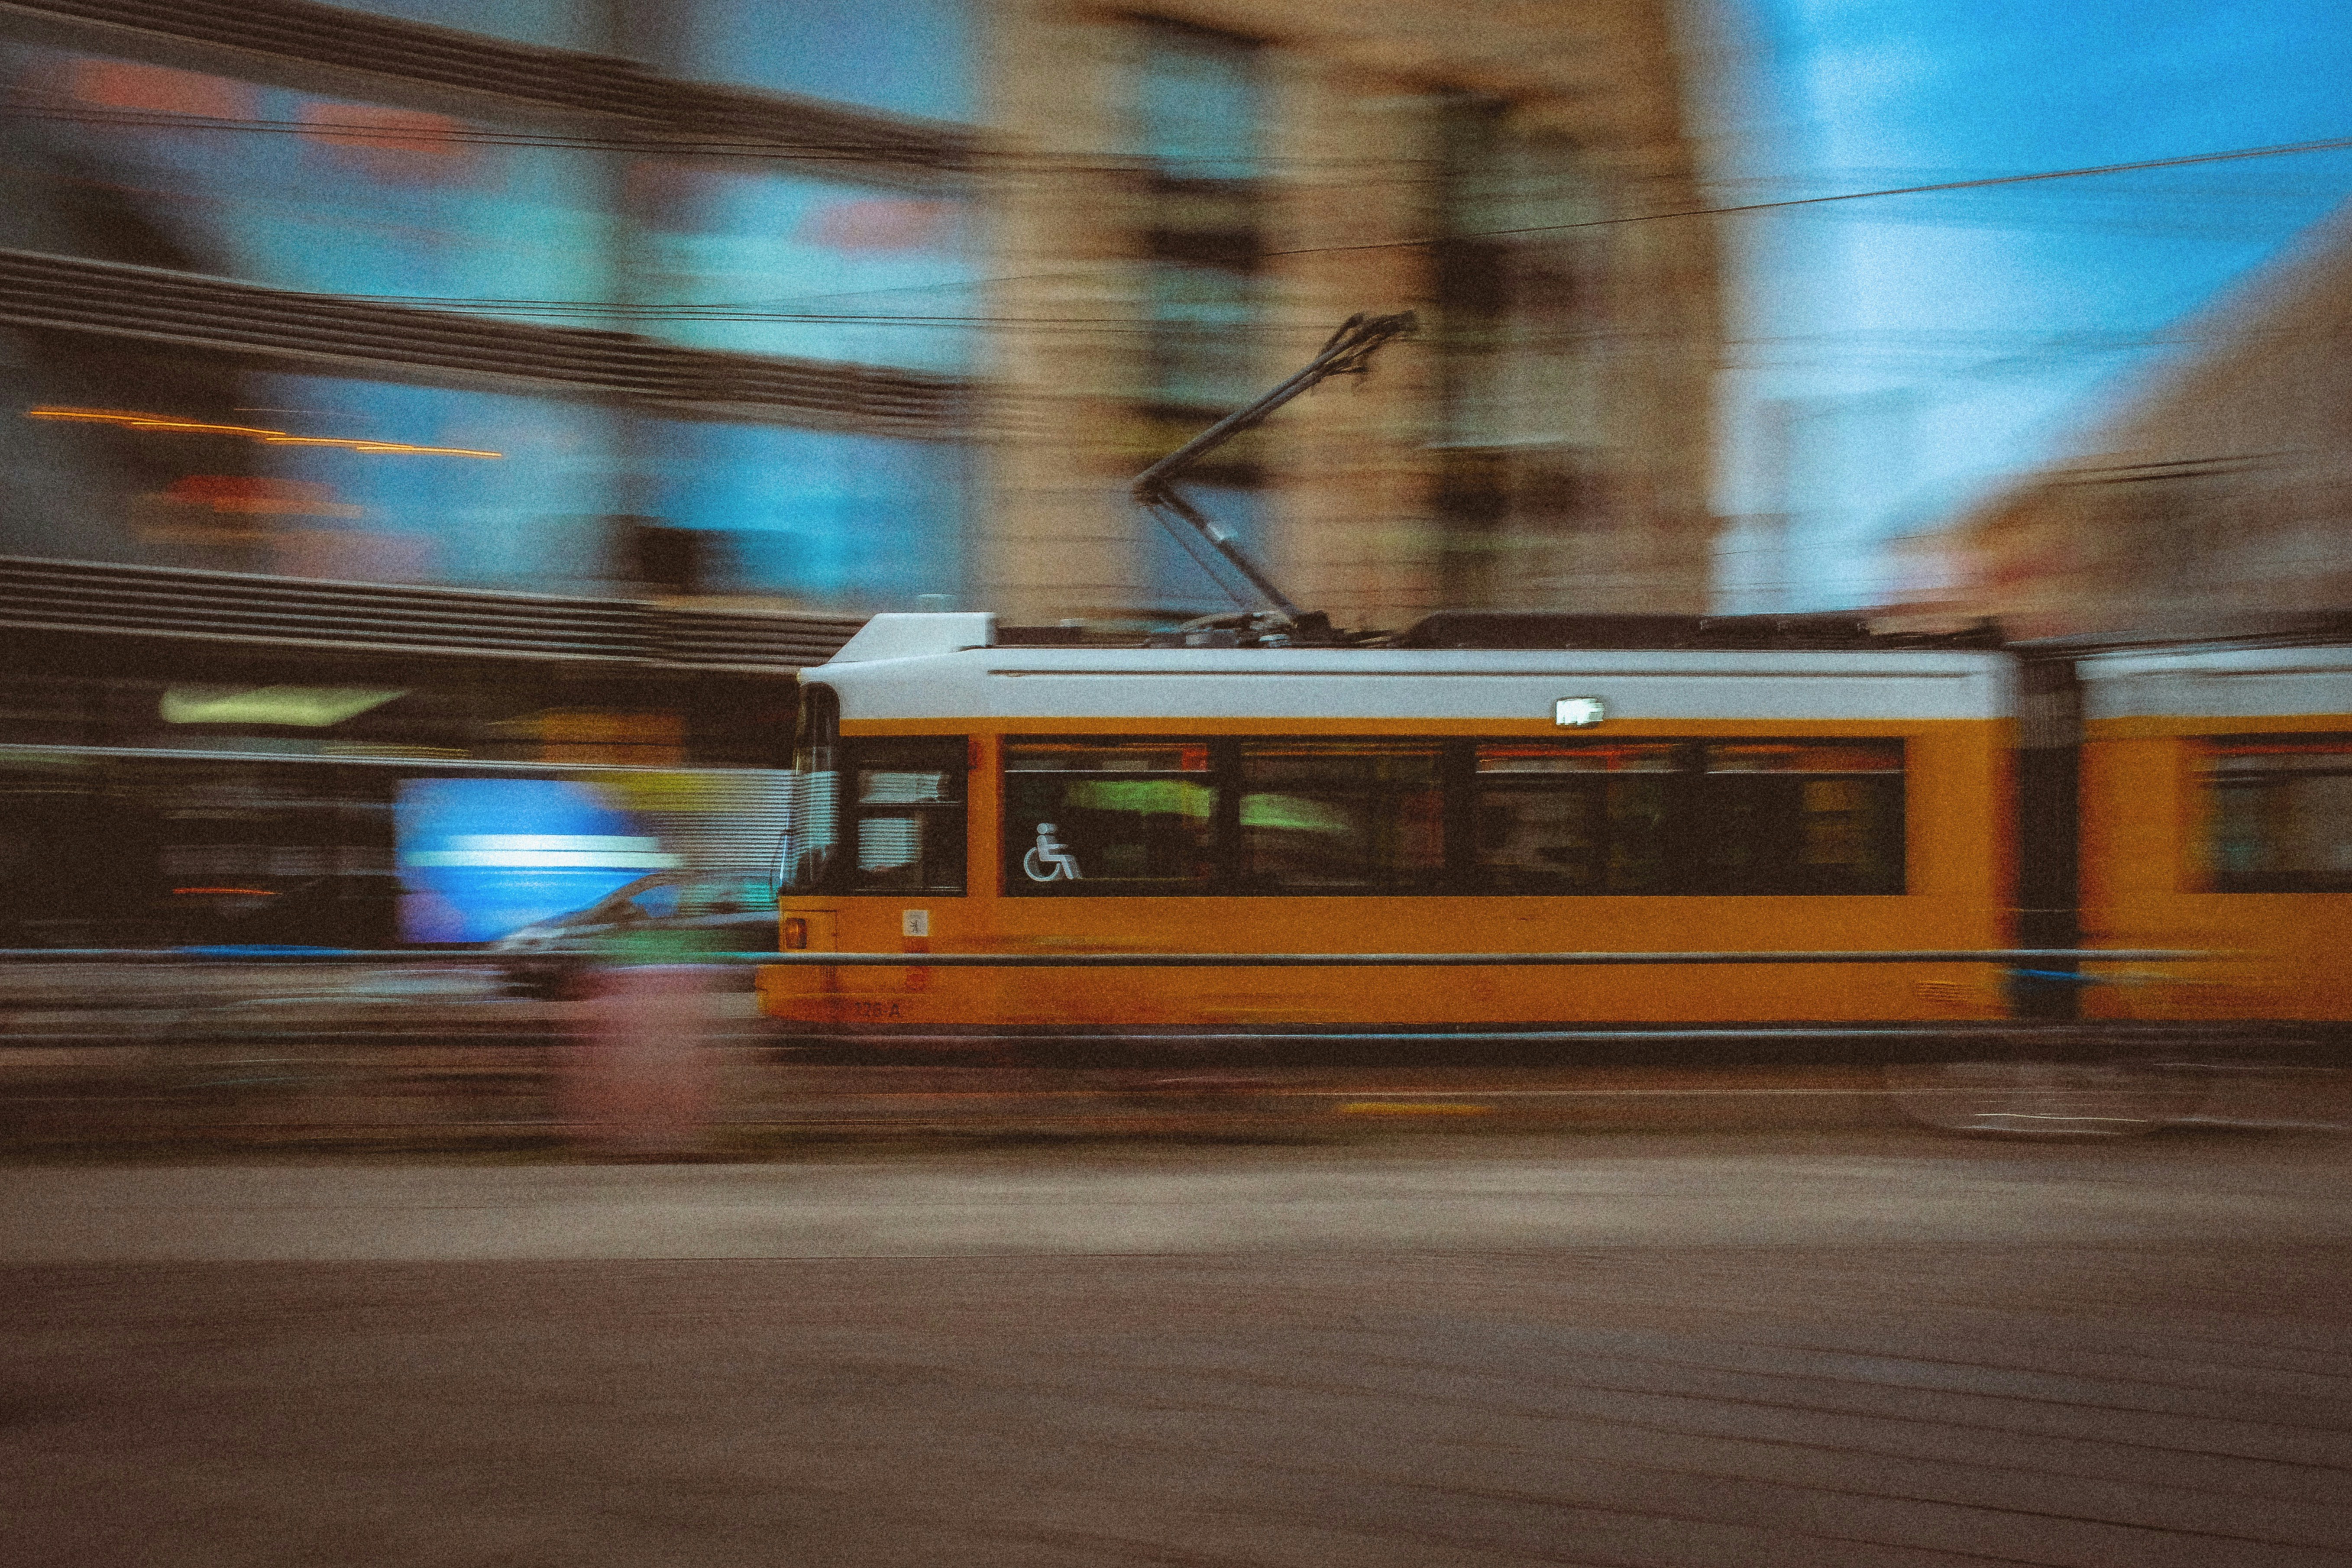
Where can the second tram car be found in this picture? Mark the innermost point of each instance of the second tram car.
(2217, 816)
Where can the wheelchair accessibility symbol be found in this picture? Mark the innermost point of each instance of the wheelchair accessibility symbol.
(1049, 860)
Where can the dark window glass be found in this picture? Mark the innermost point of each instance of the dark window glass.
(907, 798)
(1338, 816)
(1177, 582)
(826, 517)
(118, 160)
(659, 902)
(556, 24)
(174, 457)
(1573, 819)
(1203, 348)
(901, 57)
(1108, 816)
(1800, 818)
(716, 227)
(680, 896)
(1198, 103)
(2281, 814)
(1197, 109)
(813, 809)
(1197, 119)
(1516, 332)
(1538, 818)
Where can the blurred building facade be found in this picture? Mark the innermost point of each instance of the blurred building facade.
(1545, 442)
(403, 387)
(838, 305)
(2217, 494)
(332, 292)
(356, 442)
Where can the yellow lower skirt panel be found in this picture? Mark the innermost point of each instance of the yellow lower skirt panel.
(1269, 998)
(917, 997)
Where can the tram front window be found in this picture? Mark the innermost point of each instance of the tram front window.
(909, 801)
(1094, 817)
(813, 809)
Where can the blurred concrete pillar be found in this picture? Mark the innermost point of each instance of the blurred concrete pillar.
(639, 1078)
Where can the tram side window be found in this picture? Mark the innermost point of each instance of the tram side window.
(1539, 817)
(1573, 819)
(1823, 819)
(907, 804)
(1108, 817)
(1341, 816)
(2281, 814)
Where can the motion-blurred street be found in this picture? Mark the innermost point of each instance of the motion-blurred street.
(1823, 1348)
(1249, 783)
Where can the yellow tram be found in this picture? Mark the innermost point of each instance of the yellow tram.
(1493, 783)
(963, 794)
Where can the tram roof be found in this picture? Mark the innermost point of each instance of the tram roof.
(2219, 681)
(949, 665)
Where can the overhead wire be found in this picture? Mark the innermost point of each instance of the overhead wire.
(755, 148)
(983, 157)
(2327, 145)
(762, 310)
(1988, 182)
(359, 132)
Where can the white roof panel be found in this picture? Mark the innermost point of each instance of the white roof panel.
(2220, 683)
(1172, 685)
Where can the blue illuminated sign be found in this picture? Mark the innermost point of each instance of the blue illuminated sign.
(480, 858)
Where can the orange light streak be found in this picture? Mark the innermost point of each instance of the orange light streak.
(130, 421)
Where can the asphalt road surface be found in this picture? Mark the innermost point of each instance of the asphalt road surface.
(1828, 1348)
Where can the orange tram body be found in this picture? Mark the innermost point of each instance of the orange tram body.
(1739, 784)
